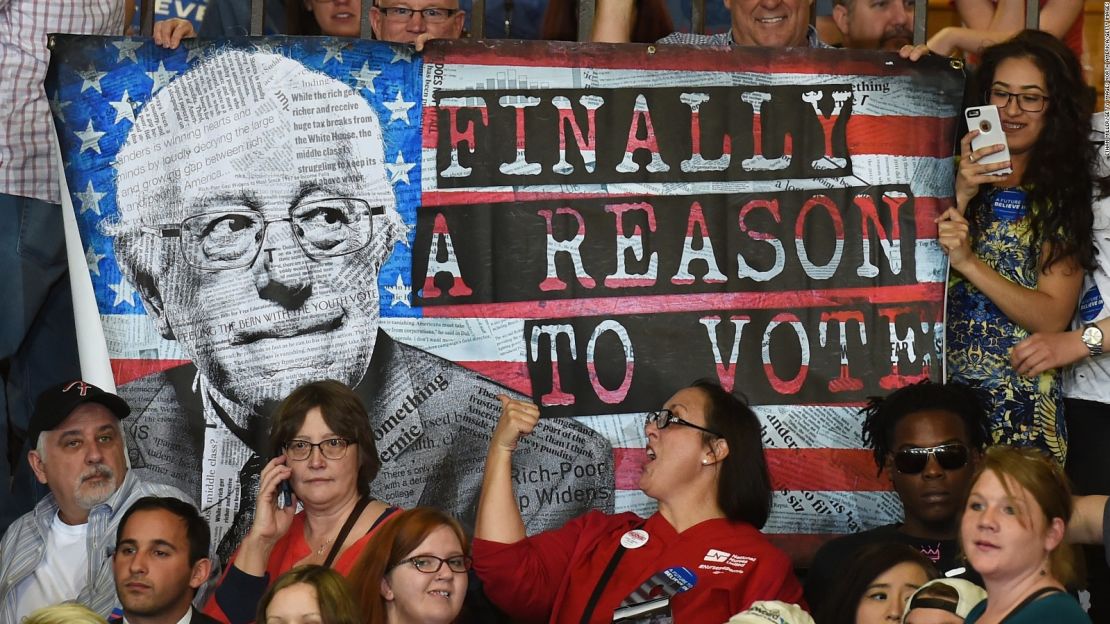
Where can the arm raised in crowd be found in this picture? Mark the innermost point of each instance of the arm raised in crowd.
(270, 523)
(499, 518)
(1007, 17)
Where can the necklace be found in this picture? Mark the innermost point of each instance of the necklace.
(320, 550)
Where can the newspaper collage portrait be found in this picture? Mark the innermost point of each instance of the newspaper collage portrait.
(590, 227)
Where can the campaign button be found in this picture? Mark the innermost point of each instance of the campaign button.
(1009, 204)
(634, 538)
(1090, 306)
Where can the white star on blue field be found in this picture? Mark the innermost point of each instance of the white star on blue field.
(98, 86)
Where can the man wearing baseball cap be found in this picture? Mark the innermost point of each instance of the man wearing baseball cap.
(60, 551)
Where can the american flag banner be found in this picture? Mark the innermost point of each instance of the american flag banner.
(593, 227)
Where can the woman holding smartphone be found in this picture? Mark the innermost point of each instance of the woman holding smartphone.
(328, 458)
(1018, 243)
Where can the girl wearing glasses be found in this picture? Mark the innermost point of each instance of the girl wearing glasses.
(1018, 243)
(414, 570)
(1012, 533)
(326, 463)
(700, 557)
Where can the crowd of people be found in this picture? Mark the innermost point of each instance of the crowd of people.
(104, 545)
(990, 523)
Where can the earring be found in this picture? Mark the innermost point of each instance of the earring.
(705, 462)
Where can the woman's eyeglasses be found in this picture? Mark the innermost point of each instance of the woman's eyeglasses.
(1028, 102)
(332, 448)
(430, 564)
(914, 460)
(664, 418)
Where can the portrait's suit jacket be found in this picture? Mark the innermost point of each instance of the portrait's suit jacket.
(440, 466)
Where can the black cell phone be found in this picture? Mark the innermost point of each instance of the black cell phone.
(285, 494)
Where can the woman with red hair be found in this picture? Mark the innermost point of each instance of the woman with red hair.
(413, 570)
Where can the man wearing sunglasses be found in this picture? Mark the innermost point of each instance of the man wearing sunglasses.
(927, 437)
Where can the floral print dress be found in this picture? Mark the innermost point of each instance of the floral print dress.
(1023, 411)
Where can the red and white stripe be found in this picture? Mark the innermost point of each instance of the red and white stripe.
(825, 483)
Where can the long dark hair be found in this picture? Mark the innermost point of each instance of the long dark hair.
(1060, 174)
(744, 487)
(844, 594)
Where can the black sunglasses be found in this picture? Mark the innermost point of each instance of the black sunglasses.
(913, 460)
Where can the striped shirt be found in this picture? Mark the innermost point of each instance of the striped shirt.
(27, 165)
(24, 545)
(725, 39)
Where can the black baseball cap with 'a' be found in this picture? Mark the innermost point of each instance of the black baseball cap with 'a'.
(56, 403)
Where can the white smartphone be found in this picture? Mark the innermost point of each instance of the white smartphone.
(985, 120)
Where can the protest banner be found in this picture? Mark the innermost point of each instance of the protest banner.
(590, 226)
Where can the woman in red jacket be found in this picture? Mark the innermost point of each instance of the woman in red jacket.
(700, 557)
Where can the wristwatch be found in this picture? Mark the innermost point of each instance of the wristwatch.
(1092, 337)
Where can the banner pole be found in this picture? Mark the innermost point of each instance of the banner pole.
(146, 18)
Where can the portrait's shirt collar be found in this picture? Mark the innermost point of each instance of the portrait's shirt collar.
(210, 395)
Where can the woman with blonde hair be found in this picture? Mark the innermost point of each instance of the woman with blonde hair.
(414, 570)
(309, 593)
(68, 613)
(1012, 533)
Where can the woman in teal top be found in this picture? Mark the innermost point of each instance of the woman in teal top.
(1012, 532)
(1018, 242)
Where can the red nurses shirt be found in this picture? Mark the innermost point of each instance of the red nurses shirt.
(549, 577)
